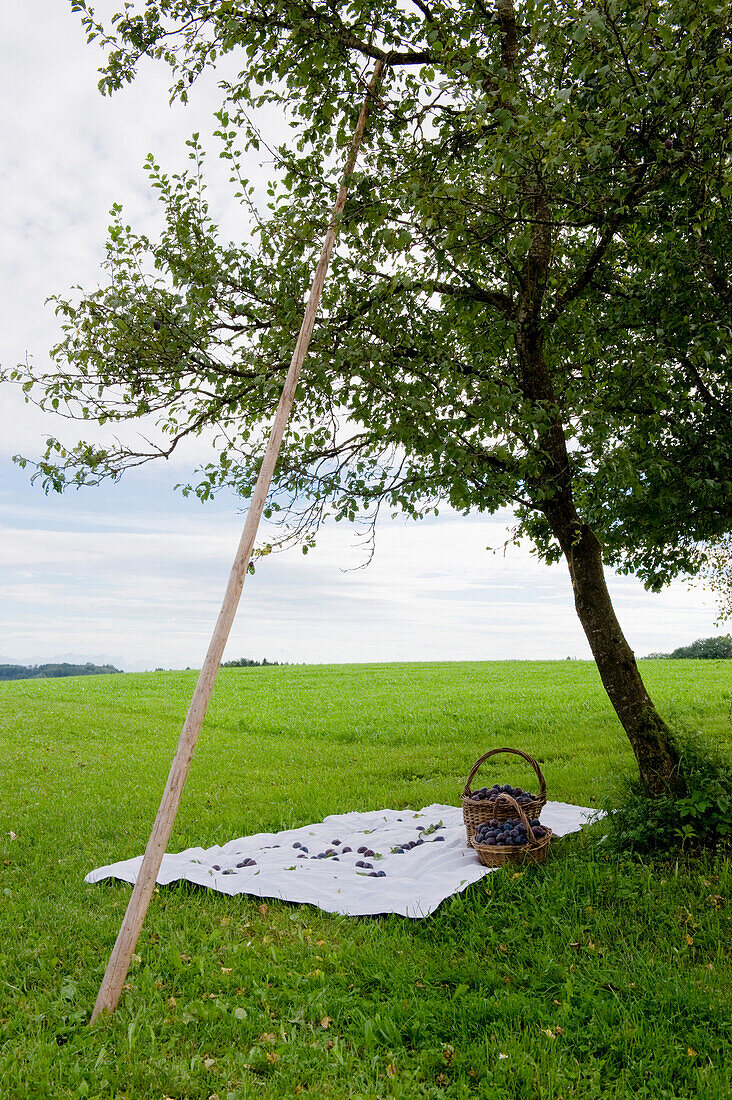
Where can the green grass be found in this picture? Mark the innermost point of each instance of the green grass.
(595, 977)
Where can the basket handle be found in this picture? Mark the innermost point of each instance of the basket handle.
(517, 752)
(522, 814)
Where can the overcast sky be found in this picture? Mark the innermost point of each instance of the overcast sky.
(134, 573)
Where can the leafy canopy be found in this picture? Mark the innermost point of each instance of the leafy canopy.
(554, 168)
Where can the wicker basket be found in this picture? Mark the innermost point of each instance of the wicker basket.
(475, 813)
(498, 855)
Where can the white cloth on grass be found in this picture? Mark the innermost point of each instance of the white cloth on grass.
(414, 882)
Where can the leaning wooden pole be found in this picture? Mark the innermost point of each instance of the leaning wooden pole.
(119, 961)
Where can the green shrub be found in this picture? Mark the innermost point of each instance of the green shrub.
(639, 822)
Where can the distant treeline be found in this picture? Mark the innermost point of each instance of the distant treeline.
(37, 672)
(247, 662)
(707, 648)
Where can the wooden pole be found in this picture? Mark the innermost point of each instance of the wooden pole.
(119, 961)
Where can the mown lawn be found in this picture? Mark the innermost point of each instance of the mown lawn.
(588, 977)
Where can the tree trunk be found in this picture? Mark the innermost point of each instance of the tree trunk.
(650, 738)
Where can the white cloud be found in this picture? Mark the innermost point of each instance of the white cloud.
(143, 581)
(69, 154)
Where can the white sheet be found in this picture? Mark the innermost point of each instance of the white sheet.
(413, 884)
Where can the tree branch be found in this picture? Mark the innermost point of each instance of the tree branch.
(706, 394)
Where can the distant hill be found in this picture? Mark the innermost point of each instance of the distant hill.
(714, 649)
(38, 672)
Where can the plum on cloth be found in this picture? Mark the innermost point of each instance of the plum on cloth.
(356, 864)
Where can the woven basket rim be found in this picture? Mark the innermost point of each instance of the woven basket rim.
(466, 796)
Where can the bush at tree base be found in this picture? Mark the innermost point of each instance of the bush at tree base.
(642, 824)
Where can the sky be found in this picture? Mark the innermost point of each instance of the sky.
(133, 573)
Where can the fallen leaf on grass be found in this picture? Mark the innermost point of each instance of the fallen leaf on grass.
(326, 1022)
(272, 1056)
(208, 1062)
(691, 1052)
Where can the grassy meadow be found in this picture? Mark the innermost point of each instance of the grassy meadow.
(590, 976)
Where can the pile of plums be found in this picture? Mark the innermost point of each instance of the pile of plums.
(490, 794)
(508, 833)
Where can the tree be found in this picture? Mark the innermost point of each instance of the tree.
(527, 306)
(712, 649)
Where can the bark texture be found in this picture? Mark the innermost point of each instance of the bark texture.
(649, 736)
